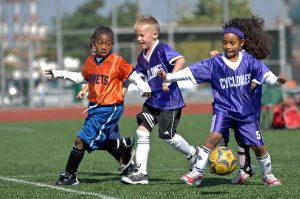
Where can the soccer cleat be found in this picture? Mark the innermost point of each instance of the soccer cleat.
(135, 178)
(240, 177)
(270, 180)
(193, 158)
(192, 178)
(66, 178)
(126, 151)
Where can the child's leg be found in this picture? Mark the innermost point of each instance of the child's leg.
(195, 176)
(167, 123)
(181, 145)
(69, 176)
(75, 156)
(264, 161)
(243, 154)
(142, 149)
(211, 142)
(139, 174)
(122, 150)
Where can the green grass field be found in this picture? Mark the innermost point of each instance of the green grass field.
(34, 153)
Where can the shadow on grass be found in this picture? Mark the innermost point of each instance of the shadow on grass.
(89, 177)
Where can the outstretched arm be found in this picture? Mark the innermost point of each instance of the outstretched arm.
(272, 80)
(179, 64)
(143, 87)
(61, 74)
(184, 74)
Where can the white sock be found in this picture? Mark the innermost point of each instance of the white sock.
(202, 159)
(181, 145)
(265, 164)
(142, 150)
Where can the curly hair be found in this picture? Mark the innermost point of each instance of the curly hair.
(257, 41)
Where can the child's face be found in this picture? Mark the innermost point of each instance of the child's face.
(231, 45)
(146, 36)
(103, 44)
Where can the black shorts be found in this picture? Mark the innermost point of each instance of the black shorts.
(167, 120)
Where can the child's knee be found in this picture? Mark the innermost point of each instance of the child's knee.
(79, 144)
(260, 150)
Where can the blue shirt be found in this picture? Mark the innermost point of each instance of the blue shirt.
(231, 84)
(162, 56)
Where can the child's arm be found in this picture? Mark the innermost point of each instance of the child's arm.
(143, 87)
(61, 74)
(82, 93)
(272, 80)
(179, 64)
(184, 74)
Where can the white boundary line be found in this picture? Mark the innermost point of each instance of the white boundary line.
(56, 187)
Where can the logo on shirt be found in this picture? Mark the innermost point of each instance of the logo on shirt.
(152, 72)
(235, 81)
(98, 79)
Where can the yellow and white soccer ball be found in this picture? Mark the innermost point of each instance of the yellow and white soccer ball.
(222, 161)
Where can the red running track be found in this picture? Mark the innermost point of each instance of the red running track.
(75, 112)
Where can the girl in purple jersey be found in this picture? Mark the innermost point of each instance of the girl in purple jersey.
(244, 157)
(161, 108)
(232, 76)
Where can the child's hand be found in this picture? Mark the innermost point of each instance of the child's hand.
(165, 86)
(281, 79)
(146, 94)
(81, 94)
(161, 73)
(214, 53)
(49, 73)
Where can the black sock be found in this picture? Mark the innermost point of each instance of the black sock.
(115, 153)
(247, 167)
(110, 145)
(74, 160)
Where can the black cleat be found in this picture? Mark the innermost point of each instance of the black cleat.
(66, 179)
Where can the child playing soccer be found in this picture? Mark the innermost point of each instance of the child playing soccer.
(161, 108)
(244, 158)
(104, 72)
(232, 75)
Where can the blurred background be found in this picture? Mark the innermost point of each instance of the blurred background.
(41, 34)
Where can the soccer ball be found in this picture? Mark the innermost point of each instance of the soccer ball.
(222, 161)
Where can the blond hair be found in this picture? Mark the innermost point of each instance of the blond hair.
(148, 20)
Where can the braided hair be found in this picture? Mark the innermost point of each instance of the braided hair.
(257, 41)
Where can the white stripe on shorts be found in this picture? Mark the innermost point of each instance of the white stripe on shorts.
(149, 119)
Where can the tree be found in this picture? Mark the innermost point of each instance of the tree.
(208, 13)
(211, 12)
(81, 24)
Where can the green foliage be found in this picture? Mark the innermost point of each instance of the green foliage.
(184, 47)
(208, 13)
(88, 16)
(37, 151)
(126, 14)
(211, 12)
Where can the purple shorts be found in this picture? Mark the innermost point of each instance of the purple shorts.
(249, 132)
